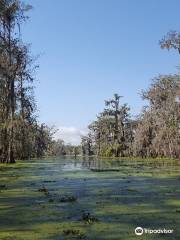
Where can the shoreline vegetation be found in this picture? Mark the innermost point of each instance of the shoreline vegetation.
(81, 157)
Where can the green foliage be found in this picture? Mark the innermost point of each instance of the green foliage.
(113, 151)
(111, 134)
(109, 152)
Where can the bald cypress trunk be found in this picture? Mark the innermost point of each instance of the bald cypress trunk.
(10, 157)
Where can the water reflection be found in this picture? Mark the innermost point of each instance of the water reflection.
(72, 166)
(103, 164)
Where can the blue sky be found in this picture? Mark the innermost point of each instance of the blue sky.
(91, 49)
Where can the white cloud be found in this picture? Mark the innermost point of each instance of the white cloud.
(70, 134)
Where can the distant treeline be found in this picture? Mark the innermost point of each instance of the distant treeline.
(114, 133)
(154, 133)
(60, 148)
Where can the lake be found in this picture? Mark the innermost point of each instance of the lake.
(89, 198)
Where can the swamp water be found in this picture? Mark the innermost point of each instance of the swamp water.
(91, 199)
